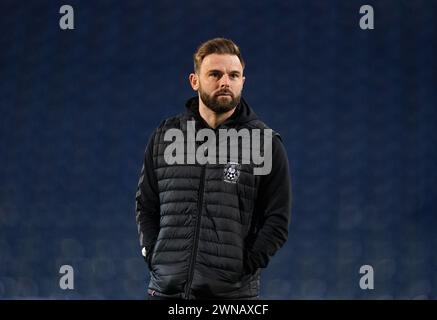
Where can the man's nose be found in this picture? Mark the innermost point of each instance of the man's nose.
(224, 81)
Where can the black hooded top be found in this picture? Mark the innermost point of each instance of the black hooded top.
(208, 229)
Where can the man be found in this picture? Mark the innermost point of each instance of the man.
(207, 229)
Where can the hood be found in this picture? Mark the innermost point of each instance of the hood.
(243, 113)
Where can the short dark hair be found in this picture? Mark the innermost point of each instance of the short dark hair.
(216, 45)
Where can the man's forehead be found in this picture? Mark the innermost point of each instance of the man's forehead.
(221, 61)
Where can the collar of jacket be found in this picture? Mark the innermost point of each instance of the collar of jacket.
(242, 114)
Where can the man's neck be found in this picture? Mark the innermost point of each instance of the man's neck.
(211, 118)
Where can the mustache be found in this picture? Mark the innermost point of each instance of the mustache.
(224, 91)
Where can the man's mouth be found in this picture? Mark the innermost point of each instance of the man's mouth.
(224, 94)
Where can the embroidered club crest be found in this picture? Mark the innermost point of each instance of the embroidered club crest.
(231, 173)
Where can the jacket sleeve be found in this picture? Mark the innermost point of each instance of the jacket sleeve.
(272, 214)
(147, 201)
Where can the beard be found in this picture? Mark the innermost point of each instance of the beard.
(220, 104)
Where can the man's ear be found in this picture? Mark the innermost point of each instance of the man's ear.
(194, 81)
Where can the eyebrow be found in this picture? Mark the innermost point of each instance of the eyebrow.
(219, 71)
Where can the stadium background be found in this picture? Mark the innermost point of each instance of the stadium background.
(356, 110)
